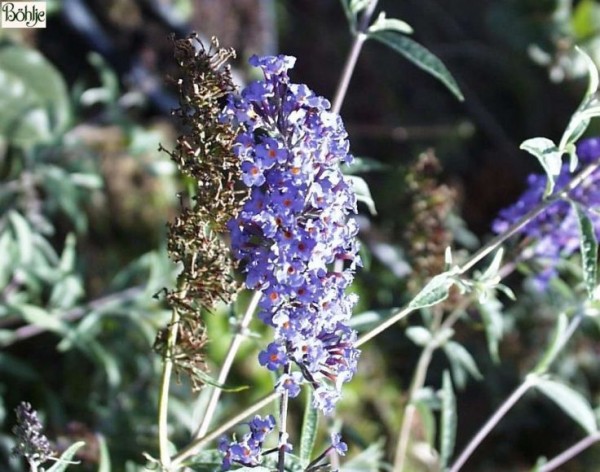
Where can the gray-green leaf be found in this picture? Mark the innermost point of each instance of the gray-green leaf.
(362, 192)
(309, 430)
(435, 291)
(549, 155)
(448, 424)
(419, 56)
(570, 401)
(389, 24)
(33, 97)
(65, 459)
(589, 250)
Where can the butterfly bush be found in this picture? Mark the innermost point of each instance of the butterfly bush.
(556, 230)
(293, 228)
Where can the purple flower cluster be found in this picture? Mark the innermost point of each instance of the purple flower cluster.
(248, 451)
(556, 230)
(294, 227)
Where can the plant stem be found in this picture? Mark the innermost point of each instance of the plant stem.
(227, 363)
(490, 246)
(571, 452)
(530, 381)
(359, 39)
(283, 436)
(420, 375)
(101, 303)
(199, 443)
(493, 421)
(163, 399)
(409, 412)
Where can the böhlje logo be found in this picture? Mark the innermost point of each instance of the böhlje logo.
(17, 14)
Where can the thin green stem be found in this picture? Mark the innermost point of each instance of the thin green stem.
(492, 245)
(571, 452)
(493, 421)
(530, 381)
(283, 435)
(163, 399)
(418, 381)
(359, 39)
(227, 363)
(199, 443)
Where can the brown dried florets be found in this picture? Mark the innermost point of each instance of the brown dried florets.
(428, 234)
(204, 155)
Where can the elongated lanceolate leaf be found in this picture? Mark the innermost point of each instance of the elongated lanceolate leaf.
(555, 345)
(570, 401)
(309, 430)
(589, 250)
(65, 459)
(448, 426)
(419, 56)
(436, 291)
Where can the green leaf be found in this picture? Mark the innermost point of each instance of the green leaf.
(254, 469)
(448, 422)
(363, 194)
(310, 424)
(419, 56)
(550, 158)
(64, 460)
(209, 460)
(364, 321)
(542, 461)
(555, 345)
(33, 97)
(427, 420)
(23, 236)
(419, 335)
(435, 291)
(369, 460)
(356, 6)
(589, 250)
(104, 465)
(67, 258)
(491, 314)
(570, 401)
(37, 316)
(362, 165)
(461, 361)
(389, 24)
(585, 20)
(586, 111)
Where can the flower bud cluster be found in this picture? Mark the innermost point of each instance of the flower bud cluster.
(556, 230)
(31, 443)
(294, 226)
(248, 451)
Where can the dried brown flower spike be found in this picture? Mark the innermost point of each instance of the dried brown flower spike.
(204, 154)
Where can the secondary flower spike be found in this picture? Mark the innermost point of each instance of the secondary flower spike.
(294, 226)
(556, 230)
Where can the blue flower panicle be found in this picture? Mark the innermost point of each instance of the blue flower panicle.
(556, 230)
(247, 451)
(294, 226)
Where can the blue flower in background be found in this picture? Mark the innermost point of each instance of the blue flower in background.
(294, 226)
(555, 232)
